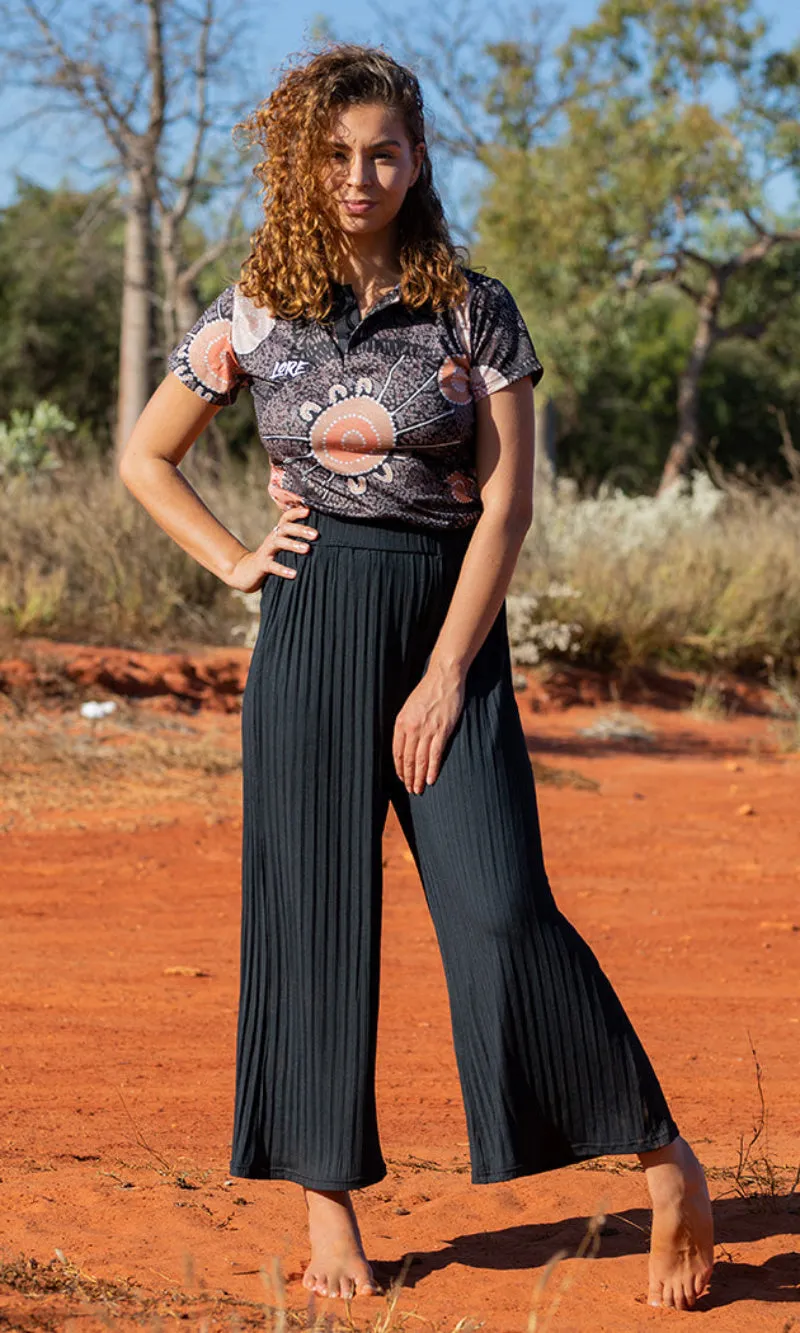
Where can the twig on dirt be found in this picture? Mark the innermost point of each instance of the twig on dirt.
(591, 1243)
(757, 1176)
(141, 1140)
(383, 1322)
(178, 1177)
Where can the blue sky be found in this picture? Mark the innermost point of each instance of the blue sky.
(279, 27)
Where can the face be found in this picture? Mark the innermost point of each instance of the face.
(371, 164)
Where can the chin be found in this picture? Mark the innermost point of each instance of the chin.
(359, 226)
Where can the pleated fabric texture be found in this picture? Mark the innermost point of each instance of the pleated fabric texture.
(551, 1068)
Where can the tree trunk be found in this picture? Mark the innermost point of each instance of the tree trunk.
(181, 308)
(688, 436)
(544, 470)
(136, 379)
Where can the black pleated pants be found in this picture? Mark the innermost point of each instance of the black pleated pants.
(551, 1069)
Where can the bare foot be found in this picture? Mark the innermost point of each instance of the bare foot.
(682, 1239)
(338, 1265)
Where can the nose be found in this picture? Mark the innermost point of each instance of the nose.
(361, 168)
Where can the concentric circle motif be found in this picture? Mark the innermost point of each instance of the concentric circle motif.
(353, 436)
(454, 379)
(462, 488)
(211, 356)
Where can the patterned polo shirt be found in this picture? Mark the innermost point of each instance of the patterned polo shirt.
(369, 417)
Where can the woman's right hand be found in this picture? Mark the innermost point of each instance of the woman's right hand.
(289, 533)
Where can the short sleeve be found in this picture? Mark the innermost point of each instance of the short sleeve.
(501, 349)
(204, 359)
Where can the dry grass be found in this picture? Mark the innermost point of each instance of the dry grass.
(786, 727)
(548, 1294)
(710, 580)
(60, 1291)
(548, 775)
(60, 1295)
(81, 559)
(757, 1177)
(61, 761)
(707, 581)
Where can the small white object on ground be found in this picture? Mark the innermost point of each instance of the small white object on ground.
(94, 708)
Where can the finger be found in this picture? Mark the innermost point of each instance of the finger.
(286, 571)
(299, 530)
(434, 759)
(286, 543)
(421, 764)
(409, 758)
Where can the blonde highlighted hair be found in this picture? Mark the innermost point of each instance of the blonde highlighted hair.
(294, 251)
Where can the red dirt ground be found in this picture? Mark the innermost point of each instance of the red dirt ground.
(119, 993)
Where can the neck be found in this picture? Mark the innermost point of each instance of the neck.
(369, 263)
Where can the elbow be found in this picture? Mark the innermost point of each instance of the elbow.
(514, 517)
(125, 472)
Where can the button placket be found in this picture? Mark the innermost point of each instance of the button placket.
(390, 298)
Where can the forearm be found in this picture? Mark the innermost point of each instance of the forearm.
(483, 580)
(173, 502)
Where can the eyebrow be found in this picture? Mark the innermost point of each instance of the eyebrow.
(381, 143)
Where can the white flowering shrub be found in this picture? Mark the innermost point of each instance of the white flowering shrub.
(534, 632)
(246, 631)
(632, 523)
(697, 575)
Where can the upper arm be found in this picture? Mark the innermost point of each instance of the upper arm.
(504, 368)
(504, 448)
(169, 425)
(204, 375)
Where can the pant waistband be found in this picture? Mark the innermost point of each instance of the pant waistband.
(385, 534)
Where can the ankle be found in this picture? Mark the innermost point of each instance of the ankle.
(675, 1154)
(327, 1200)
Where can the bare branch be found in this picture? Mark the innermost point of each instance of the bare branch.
(189, 183)
(223, 243)
(688, 253)
(155, 62)
(82, 79)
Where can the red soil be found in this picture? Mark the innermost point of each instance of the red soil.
(119, 996)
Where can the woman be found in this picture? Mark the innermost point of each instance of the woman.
(394, 393)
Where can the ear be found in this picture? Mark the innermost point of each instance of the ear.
(419, 158)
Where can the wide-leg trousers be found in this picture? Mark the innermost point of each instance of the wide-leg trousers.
(550, 1067)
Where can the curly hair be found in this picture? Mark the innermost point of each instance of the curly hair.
(294, 250)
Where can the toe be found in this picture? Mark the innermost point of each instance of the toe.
(668, 1296)
(701, 1281)
(655, 1294)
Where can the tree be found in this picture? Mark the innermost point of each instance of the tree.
(61, 255)
(486, 96)
(141, 72)
(681, 118)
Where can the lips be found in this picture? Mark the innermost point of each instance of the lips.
(358, 205)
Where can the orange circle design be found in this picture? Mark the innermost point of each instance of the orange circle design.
(211, 356)
(454, 379)
(352, 436)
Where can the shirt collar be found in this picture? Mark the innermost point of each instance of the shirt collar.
(343, 292)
